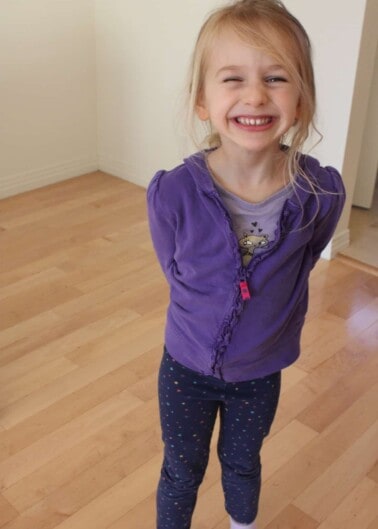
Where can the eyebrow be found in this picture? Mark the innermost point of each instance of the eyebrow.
(235, 67)
(228, 69)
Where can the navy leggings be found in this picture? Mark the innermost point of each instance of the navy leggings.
(189, 403)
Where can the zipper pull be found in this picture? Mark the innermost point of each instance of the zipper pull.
(244, 290)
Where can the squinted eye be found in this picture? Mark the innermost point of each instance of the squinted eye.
(232, 80)
(276, 79)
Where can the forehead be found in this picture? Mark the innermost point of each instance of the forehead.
(229, 49)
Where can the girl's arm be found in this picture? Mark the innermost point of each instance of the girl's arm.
(162, 225)
(329, 215)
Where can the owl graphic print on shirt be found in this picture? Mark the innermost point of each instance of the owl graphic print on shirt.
(255, 224)
(252, 241)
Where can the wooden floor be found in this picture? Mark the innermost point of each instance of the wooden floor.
(82, 314)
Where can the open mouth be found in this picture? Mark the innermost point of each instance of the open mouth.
(254, 122)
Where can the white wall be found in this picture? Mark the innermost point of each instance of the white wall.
(142, 59)
(367, 129)
(47, 92)
(336, 28)
(358, 110)
(368, 162)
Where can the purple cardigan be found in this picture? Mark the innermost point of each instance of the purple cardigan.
(212, 327)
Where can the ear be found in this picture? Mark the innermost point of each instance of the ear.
(296, 118)
(201, 110)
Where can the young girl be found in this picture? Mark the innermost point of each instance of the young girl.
(237, 229)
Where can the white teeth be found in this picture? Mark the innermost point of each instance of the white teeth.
(252, 121)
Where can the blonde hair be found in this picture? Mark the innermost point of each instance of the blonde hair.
(270, 27)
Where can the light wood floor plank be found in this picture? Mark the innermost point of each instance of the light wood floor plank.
(284, 445)
(325, 493)
(138, 426)
(373, 474)
(358, 509)
(117, 500)
(143, 513)
(374, 524)
(34, 380)
(340, 396)
(315, 458)
(70, 341)
(90, 484)
(14, 340)
(342, 364)
(7, 511)
(27, 460)
(293, 518)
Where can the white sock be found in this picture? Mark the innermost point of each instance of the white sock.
(236, 525)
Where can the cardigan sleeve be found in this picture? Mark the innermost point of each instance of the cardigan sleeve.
(329, 216)
(162, 225)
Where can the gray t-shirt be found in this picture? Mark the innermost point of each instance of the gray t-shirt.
(255, 224)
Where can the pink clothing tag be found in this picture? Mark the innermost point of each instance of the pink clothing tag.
(245, 290)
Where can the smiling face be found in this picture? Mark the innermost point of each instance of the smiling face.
(248, 97)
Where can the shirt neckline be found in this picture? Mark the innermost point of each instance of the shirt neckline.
(284, 191)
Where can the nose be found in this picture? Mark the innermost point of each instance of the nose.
(255, 94)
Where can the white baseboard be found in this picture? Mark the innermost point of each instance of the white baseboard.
(339, 242)
(28, 180)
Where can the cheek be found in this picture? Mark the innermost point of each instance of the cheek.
(292, 105)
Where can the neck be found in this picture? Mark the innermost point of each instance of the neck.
(248, 174)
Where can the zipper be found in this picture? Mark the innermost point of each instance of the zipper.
(243, 274)
(219, 347)
(243, 285)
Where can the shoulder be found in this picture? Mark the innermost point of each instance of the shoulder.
(165, 181)
(319, 192)
(325, 186)
(165, 189)
(326, 180)
(180, 184)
